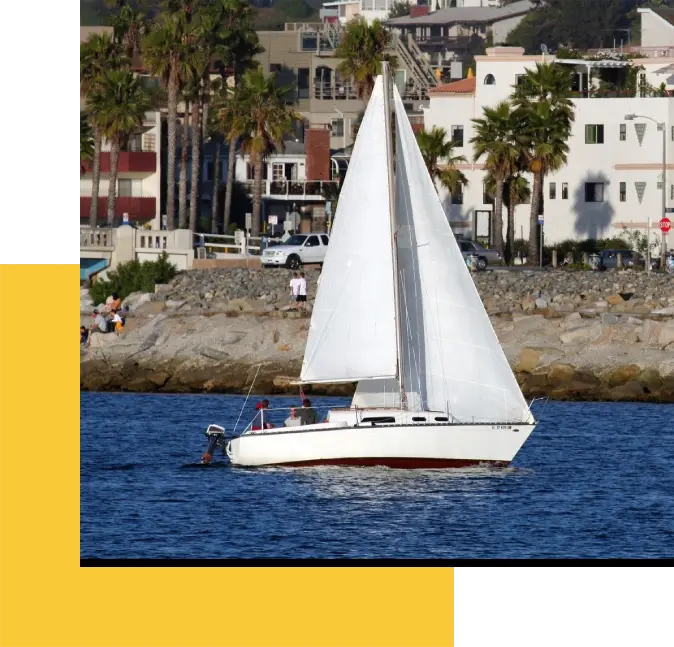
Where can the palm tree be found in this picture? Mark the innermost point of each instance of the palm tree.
(86, 142)
(438, 154)
(496, 140)
(546, 114)
(363, 49)
(230, 123)
(516, 190)
(97, 54)
(225, 39)
(165, 50)
(128, 26)
(118, 106)
(265, 118)
(184, 146)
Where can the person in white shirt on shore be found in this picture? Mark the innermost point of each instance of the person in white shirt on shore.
(294, 290)
(302, 292)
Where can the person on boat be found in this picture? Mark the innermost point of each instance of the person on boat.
(260, 416)
(308, 414)
(302, 292)
(293, 420)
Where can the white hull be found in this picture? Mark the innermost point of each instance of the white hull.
(405, 446)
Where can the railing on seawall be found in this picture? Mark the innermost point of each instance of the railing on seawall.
(99, 237)
(238, 243)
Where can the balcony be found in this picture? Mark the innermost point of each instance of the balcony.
(293, 190)
(138, 208)
(129, 162)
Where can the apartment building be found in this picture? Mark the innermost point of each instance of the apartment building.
(445, 34)
(316, 154)
(613, 178)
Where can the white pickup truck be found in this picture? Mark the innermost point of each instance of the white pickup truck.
(299, 249)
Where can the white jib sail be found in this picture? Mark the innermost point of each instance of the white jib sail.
(352, 334)
(452, 359)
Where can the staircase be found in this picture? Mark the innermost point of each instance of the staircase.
(411, 56)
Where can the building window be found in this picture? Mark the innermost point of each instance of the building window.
(594, 134)
(623, 132)
(673, 133)
(489, 80)
(553, 190)
(128, 188)
(457, 196)
(457, 136)
(278, 172)
(565, 190)
(337, 127)
(671, 191)
(487, 198)
(519, 79)
(594, 192)
(623, 192)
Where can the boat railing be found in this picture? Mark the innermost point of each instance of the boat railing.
(264, 417)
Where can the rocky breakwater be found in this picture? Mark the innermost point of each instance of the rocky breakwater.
(568, 335)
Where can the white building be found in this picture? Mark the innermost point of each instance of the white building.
(346, 10)
(614, 171)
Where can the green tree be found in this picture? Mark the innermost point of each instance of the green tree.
(86, 142)
(363, 48)
(399, 8)
(97, 54)
(266, 117)
(498, 144)
(118, 106)
(230, 121)
(440, 160)
(545, 114)
(165, 51)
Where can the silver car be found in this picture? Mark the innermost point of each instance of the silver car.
(484, 256)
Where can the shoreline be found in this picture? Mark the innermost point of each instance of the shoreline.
(578, 336)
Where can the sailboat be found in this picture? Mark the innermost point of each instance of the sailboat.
(397, 312)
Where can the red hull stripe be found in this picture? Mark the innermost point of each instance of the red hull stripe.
(401, 463)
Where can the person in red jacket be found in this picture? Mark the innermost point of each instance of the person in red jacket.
(260, 417)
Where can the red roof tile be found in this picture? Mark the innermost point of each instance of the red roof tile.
(464, 86)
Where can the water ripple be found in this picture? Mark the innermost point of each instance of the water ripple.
(594, 480)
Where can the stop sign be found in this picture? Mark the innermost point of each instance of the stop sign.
(665, 225)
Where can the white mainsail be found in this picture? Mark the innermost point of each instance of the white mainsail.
(452, 359)
(352, 335)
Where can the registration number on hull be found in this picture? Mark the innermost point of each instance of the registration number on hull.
(501, 426)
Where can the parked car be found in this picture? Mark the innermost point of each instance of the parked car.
(608, 259)
(299, 249)
(484, 256)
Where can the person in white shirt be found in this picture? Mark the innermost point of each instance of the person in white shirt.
(294, 290)
(302, 292)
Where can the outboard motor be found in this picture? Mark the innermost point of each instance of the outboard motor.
(216, 438)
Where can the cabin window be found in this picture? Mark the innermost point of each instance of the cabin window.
(418, 419)
(441, 419)
(382, 420)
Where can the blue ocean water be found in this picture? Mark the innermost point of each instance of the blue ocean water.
(595, 480)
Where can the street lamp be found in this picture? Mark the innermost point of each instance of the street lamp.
(663, 248)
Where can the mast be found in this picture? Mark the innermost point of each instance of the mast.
(394, 231)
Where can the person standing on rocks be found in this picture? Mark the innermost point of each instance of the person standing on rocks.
(302, 292)
(294, 290)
